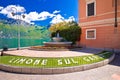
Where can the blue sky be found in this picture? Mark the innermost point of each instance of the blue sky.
(40, 12)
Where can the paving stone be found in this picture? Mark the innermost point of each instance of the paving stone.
(35, 53)
(99, 64)
(26, 70)
(36, 70)
(78, 68)
(58, 70)
(89, 66)
(68, 69)
(6, 68)
(17, 69)
(106, 61)
(46, 71)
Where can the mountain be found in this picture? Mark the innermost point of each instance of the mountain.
(13, 21)
(48, 26)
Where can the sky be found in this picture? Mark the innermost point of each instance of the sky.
(40, 12)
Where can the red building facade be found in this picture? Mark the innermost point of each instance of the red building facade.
(97, 20)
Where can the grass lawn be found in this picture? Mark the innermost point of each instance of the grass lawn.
(53, 62)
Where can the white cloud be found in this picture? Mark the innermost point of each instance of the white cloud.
(58, 18)
(44, 15)
(33, 16)
(12, 8)
(71, 18)
(1, 7)
(56, 11)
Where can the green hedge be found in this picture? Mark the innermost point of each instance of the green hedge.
(70, 31)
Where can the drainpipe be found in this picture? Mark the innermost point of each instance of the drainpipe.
(115, 25)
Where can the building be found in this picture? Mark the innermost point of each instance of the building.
(97, 19)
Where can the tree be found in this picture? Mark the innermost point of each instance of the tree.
(70, 31)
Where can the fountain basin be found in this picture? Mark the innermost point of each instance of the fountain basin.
(57, 44)
(57, 39)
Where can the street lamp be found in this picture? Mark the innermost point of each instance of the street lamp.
(17, 17)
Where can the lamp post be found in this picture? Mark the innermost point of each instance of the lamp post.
(17, 17)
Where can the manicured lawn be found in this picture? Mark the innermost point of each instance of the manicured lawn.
(53, 62)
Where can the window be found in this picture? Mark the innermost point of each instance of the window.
(91, 34)
(90, 8)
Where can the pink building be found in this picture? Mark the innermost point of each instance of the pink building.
(97, 20)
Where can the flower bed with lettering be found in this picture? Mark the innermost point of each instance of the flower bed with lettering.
(53, 62)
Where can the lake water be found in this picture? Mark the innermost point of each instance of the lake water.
(13, 43)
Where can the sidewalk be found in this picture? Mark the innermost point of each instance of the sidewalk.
(35, 53)
(101, 73)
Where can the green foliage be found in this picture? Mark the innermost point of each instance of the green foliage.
(70, 31)
(26, 32)
(29, 35)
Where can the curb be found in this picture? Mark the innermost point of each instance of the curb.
(31, 70)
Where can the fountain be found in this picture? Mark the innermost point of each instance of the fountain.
(57, 38)
(58, 42)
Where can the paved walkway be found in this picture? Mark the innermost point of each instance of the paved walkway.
(101, 73)
(34, 53)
